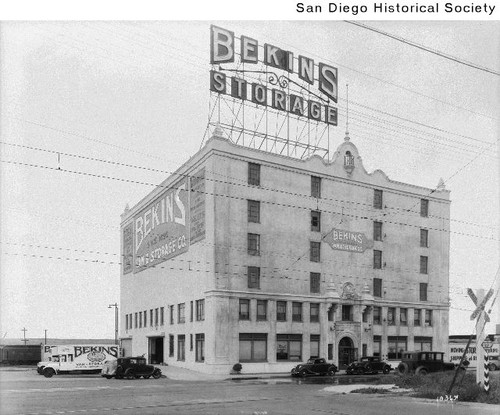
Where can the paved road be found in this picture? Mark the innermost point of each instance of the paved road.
(28, 393)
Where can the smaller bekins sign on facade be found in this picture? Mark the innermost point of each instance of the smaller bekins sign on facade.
(342, 240)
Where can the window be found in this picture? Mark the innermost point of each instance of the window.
(377, 287)
(423, 264)
(416, 317)
(151, 317)
(424, 238)
(423, 344)
(254, 211)
(253, 347)
(253, 274)
(396, 346)
(171, 314)
(314, 282)
(261, 310)
(191, 313)
(377, 231)
(181, 309)
(156, 317)
(126, 321)
(331, 312)
(423, 291)
(200, 347)
(244, 309)
(135, 321)
(191, 342)
(347, 313)
(348, 159)
(428, 318)
(181, 347)
(162, 316)
(145, 318)
(314, 314)
(365, 315)
(140, 319)
(314, 346)
(316, 187)
(424, 208)
(200, 310)
(377, 199)
(281, 310)
(377, 311)
(315, 250)
(296, 311)
(171, 345)
(391, 316)
(377, 259)
(289, 347)
(254, 174)
(377, 345)
(315, 221)
(253, 244)
(403, 316)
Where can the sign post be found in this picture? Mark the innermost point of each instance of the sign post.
(486, 345)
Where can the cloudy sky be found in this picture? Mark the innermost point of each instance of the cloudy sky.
(95, 113)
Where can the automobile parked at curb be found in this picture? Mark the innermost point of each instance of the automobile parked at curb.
(314, 367)
(130, 368)
(368, 364)
(422, 363)
(493, 363)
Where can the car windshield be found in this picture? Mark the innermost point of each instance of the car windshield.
(365, 359)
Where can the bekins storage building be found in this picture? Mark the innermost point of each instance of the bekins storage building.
(247, 256)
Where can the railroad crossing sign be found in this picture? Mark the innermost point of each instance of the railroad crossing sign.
(481, 305)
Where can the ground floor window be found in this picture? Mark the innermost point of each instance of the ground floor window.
(396, 346)
(423, 344)
(289, 347)
(253, 347)
(171, 345)
(314, 346)
(181, 347)
(377, 311)
(200, 347)
(377, 345)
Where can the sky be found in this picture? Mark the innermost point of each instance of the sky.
(83, 102)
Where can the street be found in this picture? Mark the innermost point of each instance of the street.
(26, 392)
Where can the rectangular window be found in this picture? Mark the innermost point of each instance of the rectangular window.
(289, 347)
(391, 316)
(315, 251)
(314, 282)
(281, 310)
(181, 313)
(424, 264)
(377, 346)
(200, 310)
(314, 314)
(377, 287)
(156, 316)
(331, 313)
(296, 311)
(145, 318)
(261, 310)
(424, 208)
(253, 244)
(428, 318)
(377, 199)
(181, 347)
(191, 312)
(423, 344)
(314, 346)
(126, 321)
(315, 221)
(135, 321)
(151, 317)
(377, 312)
(200, 347)
(244, 309)
(171, 314)
(423, 291)
(254, 174)
(424, 238)
(162, 316)
(377, 231)
(316, 187)
(347, 313)
(253, 274)
(403, 316)
(171, 345)
(396, 346)
(416, 317)
(377, 259)
(191, 342)
(254, 211)
(253, 347)
(140, 319)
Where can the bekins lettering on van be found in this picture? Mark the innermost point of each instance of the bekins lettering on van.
(111, 350)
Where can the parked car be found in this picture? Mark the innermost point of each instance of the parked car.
(422, 363)
(493, 363)
(130, 368)
(368, 364)
(314, 367)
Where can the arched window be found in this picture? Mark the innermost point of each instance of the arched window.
(348, 159)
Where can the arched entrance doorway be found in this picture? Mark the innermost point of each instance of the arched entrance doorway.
(347, 352)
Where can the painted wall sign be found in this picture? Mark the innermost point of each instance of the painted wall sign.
(197, 206)
(343, 240)
(128, 248)
(457, 350)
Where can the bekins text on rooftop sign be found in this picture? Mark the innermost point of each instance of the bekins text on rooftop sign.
(342, 240)
(223, 50)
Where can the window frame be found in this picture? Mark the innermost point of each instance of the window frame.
(253, 244)
(260, 304)
(181, 313)
(281, 316)
(314, 317)
(424, 264)
(378, 198)
(424, 208)
(403, 312)
(377, 259)
(252, 338)
(417, 317)
(377, 287)
(377, 230)
(253, 277)
(315, 282)
(253, 211)
(241, 315)
(288, 339)
(314, 251)
(424, 238)
(377, 316)
(315, 221)
(200, 310)
(297, 311)
(254, 174)
(423, 291)
(316, 187)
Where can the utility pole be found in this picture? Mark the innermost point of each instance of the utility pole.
(115, 305)
(24, 335)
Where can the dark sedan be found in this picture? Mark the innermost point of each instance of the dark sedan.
(368, 364)
(314, 367)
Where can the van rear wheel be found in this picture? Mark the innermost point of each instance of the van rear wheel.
(48, 372)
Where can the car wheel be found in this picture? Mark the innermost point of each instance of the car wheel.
(386, 370)
(146, 376)
(130, 375)
(421, 371)
(303, 373)
(331, 372)
(48, 372)
(108, 377)
(403, 368)
(157, 374)
(492, 366)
